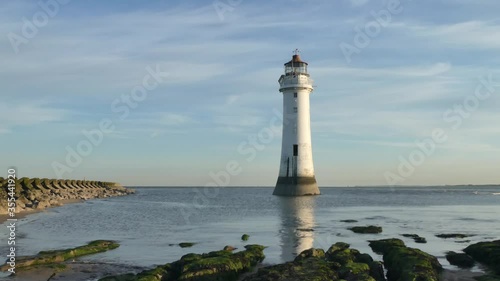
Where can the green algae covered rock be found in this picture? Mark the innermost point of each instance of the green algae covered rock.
(57, 256)
(371, 229)
(405, 263)
(311, 253)
(312, 269)
(353, 264)
(245, 237)
(384, 245)
(338, 263)
(213, 266)
(487, 253)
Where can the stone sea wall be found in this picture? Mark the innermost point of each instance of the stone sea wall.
(36, 194)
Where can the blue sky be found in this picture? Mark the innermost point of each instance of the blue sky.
(223, 66)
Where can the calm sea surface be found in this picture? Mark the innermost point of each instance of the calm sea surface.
(148, 223)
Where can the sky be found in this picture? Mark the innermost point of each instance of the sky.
(184, 93)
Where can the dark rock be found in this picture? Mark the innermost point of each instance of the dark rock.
(371, 229)
(377, 271)
(453, 235)
(245, 237)
(305, 229)
(420, 240)
(415, 238)
(186, 244)
(349, 221)
(410, 235)
(488, 278)
(460, 259)
(487, 253)
(364, 258)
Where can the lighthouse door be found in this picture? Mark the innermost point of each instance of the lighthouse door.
(295, 154)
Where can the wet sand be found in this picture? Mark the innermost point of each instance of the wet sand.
(75, 271)
(24, 213)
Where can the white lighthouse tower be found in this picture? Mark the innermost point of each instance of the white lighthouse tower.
(296, 176)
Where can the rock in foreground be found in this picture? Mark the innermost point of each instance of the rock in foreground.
(214, 266)
(460, 259)
(338, 263)
(487, 253)
(405, 263)
(57, 256)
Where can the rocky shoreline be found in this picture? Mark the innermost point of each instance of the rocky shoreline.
(34, 194)
(340, 262)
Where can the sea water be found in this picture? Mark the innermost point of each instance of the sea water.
(150, 224)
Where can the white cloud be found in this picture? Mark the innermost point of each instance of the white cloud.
(27, 114)
(470, 34)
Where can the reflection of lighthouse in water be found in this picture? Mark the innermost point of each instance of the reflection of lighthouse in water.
(297, 226)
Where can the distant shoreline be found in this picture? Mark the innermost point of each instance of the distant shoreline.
(327, 187)
(31, 195)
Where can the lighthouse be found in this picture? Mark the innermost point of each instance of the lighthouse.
(296, 175)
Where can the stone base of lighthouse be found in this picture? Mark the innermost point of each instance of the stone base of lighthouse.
(296, 186)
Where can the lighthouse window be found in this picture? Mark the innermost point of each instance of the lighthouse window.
(295, 109)
(294, 95)
(295, 150)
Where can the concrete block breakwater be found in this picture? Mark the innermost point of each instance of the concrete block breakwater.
(37, 194)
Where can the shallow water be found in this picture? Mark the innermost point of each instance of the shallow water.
(147, 223)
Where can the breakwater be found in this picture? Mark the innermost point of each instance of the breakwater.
(36, 194)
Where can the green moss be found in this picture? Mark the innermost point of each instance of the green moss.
(213, 266)
(405, 263)
(311, 269)
(371, 229)
(57, 256)
(314, 253)
(383, 246)
(487, 253)
(245, 237)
